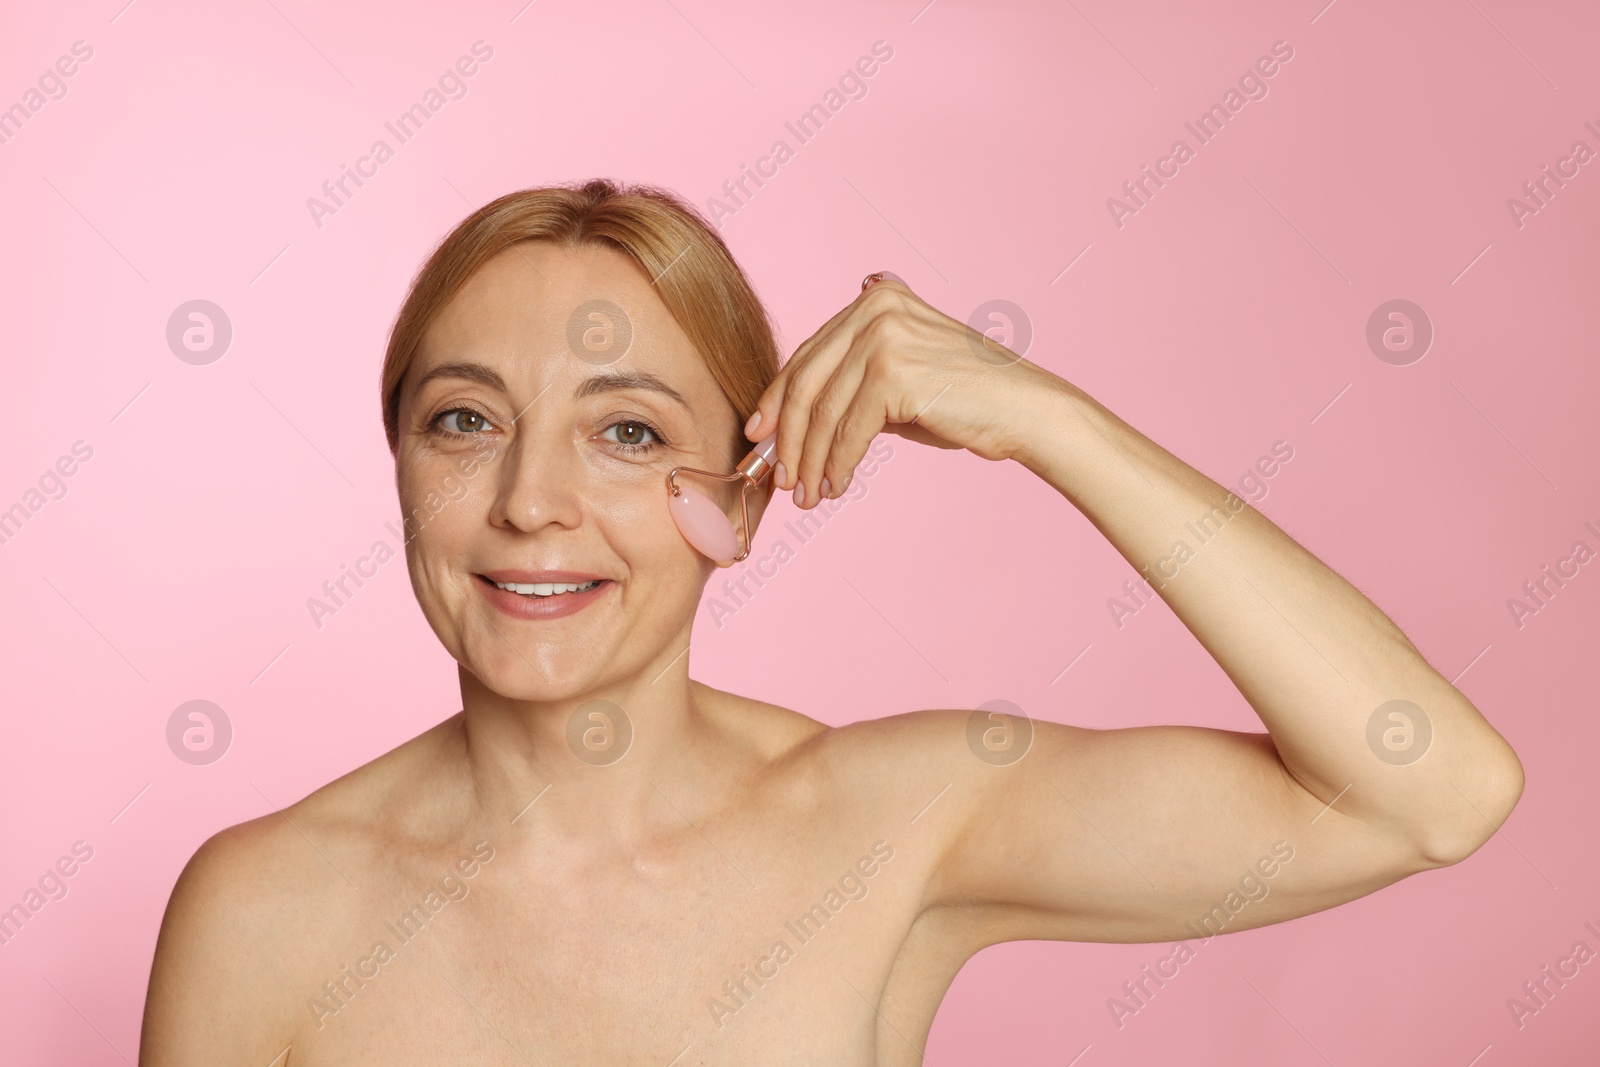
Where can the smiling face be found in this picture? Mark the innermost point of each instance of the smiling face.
(517, 455)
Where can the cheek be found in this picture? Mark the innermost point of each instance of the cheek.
(667, 574)
(435, 500)
(440, 510)
(629, 503)
(638, 527)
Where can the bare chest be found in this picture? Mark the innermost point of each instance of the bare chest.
(737, 949)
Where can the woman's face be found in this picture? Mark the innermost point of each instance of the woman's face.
(531, 441)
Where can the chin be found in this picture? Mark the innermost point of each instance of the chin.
(539, 677)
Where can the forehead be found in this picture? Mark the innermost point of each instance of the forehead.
(537, 304)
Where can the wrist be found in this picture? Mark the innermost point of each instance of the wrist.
(1043, 411)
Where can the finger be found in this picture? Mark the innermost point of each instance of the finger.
(887, 276)
(762, 419)
(814, 369)
(771, 402)
(863, 419)
(832, 401)
(821, 407)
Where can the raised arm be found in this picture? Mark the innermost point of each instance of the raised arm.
(1357, 716)
(1373, 766)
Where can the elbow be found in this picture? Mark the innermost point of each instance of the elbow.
(1481, 807)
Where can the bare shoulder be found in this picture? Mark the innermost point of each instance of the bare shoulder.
(247, 911)
(771, 731)
(228, 947)
(911, 775)
(896, 753)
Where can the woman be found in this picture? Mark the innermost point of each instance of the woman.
(749, 885)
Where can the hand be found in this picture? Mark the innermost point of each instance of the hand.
(891, 363)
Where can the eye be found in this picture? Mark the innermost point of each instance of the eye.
(631, 434)
(459, 422)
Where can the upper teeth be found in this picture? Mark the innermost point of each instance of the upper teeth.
(546, 588)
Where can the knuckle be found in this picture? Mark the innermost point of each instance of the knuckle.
(881, 297)
(877, 373)
(887, 332)
(826, 406)
(802, 374)
(877, 327)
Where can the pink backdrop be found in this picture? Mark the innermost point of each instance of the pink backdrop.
(213, 491)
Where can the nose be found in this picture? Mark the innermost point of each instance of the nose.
(539, 481)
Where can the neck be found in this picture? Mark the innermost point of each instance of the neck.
(608, 766)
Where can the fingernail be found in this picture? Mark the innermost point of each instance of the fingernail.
(893, 275)
(778, 475)
(750, 426)
(799, 494)
(827, 490)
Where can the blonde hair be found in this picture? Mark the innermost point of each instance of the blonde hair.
(695, 276)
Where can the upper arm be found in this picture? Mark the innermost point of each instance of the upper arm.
(216, 992)
(1146, 833)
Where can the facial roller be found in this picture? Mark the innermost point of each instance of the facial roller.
(702, 523)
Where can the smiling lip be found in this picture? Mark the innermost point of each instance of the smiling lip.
(558, 606)
(569, 577)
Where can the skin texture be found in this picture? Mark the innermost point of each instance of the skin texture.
(630, 912)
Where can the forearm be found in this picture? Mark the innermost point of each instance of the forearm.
(1312, 655)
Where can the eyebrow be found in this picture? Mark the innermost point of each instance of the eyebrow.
(597, 383)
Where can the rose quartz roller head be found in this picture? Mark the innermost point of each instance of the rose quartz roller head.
(702, 523)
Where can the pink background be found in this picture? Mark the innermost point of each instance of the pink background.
(1226, 315)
